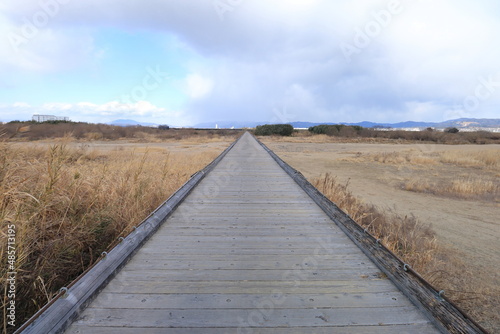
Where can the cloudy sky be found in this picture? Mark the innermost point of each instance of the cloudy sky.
(182, 62)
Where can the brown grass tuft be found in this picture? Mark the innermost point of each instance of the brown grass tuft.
(489, 159)
(480, 180)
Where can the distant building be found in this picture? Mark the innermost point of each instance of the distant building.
(46, 118)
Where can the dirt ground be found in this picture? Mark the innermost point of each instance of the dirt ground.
(471, 227)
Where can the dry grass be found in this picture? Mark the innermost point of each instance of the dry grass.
(484, 159)
(367, 135)
(487, 159)
(472, 176)
(411, 240)
(69, 204)
(87, 131)
(307, 137)
(416, 244)
(468, 187)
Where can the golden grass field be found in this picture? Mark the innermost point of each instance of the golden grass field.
(437, 206)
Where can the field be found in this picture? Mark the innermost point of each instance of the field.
(70, 198)
(453, 188)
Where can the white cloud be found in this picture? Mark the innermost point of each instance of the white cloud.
(198, 86)
(28, 46)
(21, 105)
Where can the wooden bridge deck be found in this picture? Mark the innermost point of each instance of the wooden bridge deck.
(248, 251)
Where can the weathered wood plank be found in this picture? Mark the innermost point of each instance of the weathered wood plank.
(299, 251)
(241, 246)
(232, 287)
(227, 229)
(238, 257)
(253, 265)
(254, 240)
(248, 301)
(138, 318)
(253, 275)
(353, 329)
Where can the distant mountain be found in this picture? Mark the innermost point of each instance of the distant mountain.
(130, 122)
(458, 123)
(461, 123)
(305, 125)
(472, 123)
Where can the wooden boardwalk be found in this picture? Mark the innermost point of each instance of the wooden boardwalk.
(248, 251)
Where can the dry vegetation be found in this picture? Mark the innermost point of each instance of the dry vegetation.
(417, 245)
(477, 177)
(366, 135)
(69, 203)
(412, 241)
(86, 131)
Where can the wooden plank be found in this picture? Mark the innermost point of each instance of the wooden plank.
(181, 215)
(232, 232)
(302, 251)
(232, 287)
(253, 275)
(255, 240)
(338, 317)
(242, 245)
(248, 301)
(253, 265)
(238, 257)
(353, 329)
